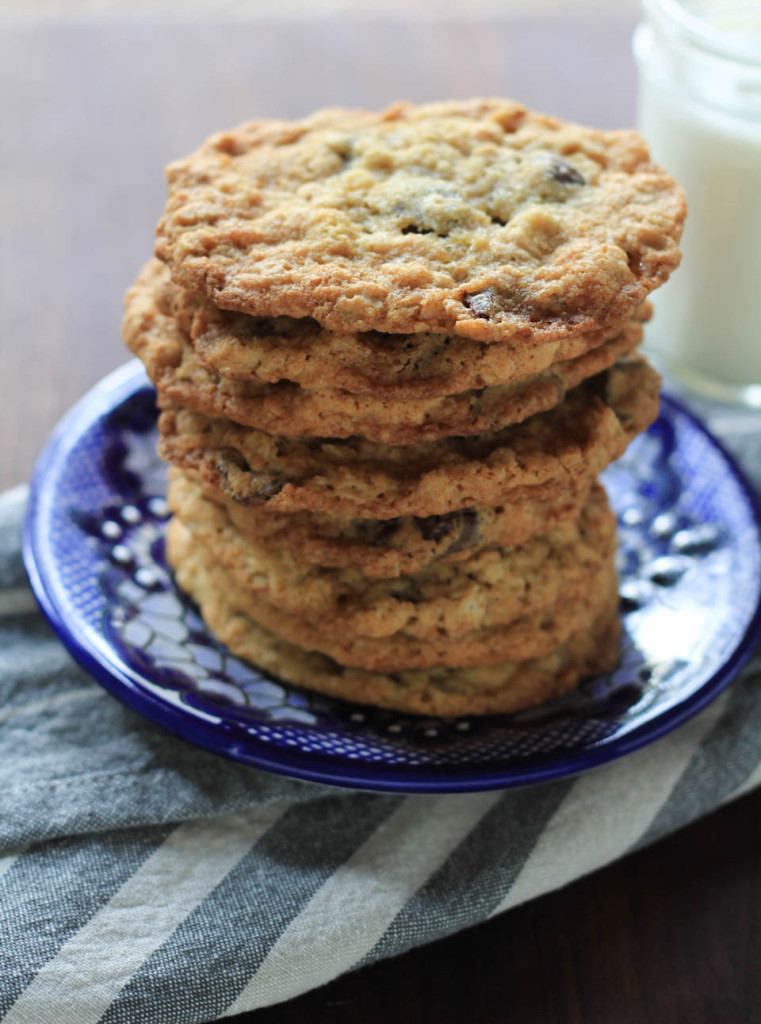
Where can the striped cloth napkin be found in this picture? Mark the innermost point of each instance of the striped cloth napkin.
(142, 878)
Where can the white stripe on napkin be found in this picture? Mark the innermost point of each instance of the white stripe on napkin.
(7, 861)
(34, 707)
(88, 972)
(608, 810)
(351, 911)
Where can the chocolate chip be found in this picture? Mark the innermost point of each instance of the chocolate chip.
(413, 229)
(564, 174)
(461, 445)
(436, 528)
(476, 403)
(468, 532)
(256, 326)
(375, 531)
(597, 386)
(406, 590)
(464, 523)
(482, 303)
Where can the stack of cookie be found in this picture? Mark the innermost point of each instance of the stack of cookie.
(394, 351)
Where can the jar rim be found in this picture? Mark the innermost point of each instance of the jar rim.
(676, 20)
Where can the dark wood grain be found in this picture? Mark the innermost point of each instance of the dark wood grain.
(91, 111)
(669, 935)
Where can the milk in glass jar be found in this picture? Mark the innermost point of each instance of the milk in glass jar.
(700, 111)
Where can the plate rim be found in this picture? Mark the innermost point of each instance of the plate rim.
(236, 743)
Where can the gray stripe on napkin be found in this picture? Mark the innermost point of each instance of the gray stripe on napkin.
(604, 815)
(74, 761)
(193, 858)
(86, 764)
(479, 873)
(358, 902)
(720, 765)
(249, 910)
(49, 893)
(32, 661)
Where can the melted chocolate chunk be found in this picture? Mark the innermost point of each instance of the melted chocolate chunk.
(464, 523)
(596, 387)
(257, 326)
(375, 531)
(461, 445)
(468, 536)
(564, 174)
(406, 590)
(436, 528)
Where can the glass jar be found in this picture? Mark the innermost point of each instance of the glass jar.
(700, 111)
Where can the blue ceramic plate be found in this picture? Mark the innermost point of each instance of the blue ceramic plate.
(690, 565)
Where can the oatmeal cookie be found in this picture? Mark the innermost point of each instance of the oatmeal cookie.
(446, 600)
(388, 548)
(267, 350)
(475, 218)
(392, 366)
(287, 409)
(486, 689)
(560, 451)
(530, 636)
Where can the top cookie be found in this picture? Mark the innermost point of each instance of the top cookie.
(477, 218)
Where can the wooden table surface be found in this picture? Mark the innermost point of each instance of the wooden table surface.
(91, 111)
